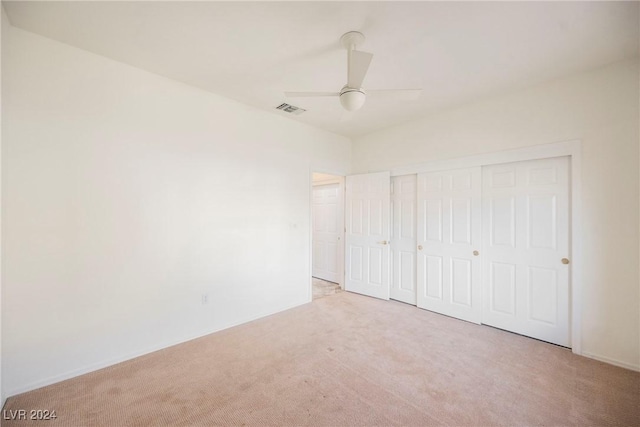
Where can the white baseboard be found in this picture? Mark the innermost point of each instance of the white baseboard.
(610, 361)
(106, 363)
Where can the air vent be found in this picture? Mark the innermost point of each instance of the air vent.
(291, 109)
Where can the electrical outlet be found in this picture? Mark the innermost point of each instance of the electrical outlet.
(205, 299)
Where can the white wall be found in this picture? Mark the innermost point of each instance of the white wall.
(601, 109)
(126, 196)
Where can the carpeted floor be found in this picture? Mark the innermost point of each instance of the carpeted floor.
(323, 288)
(346, 360)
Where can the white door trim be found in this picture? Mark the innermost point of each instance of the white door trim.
(573, 149)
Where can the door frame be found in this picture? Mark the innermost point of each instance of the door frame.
(340, 180)
(572, 149)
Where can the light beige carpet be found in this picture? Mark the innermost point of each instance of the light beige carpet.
(323, 288)
(348, 360)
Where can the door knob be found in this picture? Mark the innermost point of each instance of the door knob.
(565, 260)
(419, 247)
(384, 242)
(476, 253)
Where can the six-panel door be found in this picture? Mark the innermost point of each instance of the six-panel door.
(325, 232)
(526, 239)
(403, 238)
(367, 234)
(449, 233)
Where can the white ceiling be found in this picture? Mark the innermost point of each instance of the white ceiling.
(253, 51)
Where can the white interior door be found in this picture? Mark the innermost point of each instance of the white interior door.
(367, 234)
(526, 241)
(449, 239)
(326, 232)
(403, 239)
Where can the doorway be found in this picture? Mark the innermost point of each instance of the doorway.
(327, 225)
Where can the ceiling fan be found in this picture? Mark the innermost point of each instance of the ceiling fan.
(352, 95)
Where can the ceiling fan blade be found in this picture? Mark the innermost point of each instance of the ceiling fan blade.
(405, 94)
(396, 93)
(358, 66)
(309, 94)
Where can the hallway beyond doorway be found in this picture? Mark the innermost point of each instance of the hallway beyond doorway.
(323, 288)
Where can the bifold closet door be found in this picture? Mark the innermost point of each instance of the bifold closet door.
(526, 248)
(403, 239)
(367, 234)
(448, 243)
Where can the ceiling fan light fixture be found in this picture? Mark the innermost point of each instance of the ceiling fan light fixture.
(352, 99)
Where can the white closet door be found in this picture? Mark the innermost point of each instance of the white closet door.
(325, 232)
(403, 238)
(526, 241)
(367, 234)
(449, 233)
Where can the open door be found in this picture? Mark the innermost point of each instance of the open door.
(367, 234)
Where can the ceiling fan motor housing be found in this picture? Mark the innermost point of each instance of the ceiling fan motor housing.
(352, 99)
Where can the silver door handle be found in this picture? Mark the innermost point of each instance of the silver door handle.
(383, 242)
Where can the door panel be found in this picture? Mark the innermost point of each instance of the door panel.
(332, 258)
(375, 266)
(375, 219)
(501, 214)
(502, 294)
(325, 232)
(449, 231)
(461, 221)
(543, 295)
(406, 280)
(432, 275)
(526, 235)
(403, 238)
(367, 234)
(461, 281)
(432, 217)
(355, 272)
